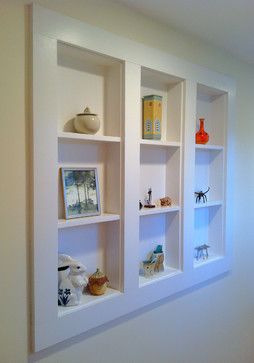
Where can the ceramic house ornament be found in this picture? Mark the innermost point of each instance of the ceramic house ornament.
(72, 280)
(158, 256)
(154, 263)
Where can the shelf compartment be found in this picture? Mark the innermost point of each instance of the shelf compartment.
(160, 229)
(209, 172)
(106, 158)
(158, 210)
(209, 147)
(167, 273)
(212, 258)
(76, 137)
(171, 90)
(154, 143)
(209, 230)
(88, 79)
(74, 222)
(160, 170)
(212, 105)
(211, 203)
(95, 246)
(88, 300)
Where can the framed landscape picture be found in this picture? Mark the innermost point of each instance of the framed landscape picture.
(81, 192)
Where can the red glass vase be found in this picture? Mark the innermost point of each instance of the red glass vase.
(202, 137)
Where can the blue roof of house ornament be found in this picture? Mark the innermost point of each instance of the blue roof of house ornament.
(158, 249)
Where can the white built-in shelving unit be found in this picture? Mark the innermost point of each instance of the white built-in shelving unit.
(74, 67)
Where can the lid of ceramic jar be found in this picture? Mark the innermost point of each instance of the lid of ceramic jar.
(87, 112)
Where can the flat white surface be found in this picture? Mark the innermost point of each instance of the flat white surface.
(211, 203)
(106, 217)
(209, 147)
(87, 300)
(154, 143)
(183, 15)
(168, 272)
(210, 259)
(71, 136)
(158, 210)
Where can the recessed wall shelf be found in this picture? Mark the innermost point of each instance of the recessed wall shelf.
(167, 273)
(209, 147)
(88, 300)
(73, 67)
(158, 210)
(106, 217)
(154, 143)
(74, 137)
(212, 258)
(208, 204)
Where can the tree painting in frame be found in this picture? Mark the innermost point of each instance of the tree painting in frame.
(81, 192)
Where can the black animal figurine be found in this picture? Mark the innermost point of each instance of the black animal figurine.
(202, 195)
(202, 252)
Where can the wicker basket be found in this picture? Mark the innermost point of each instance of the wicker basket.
(98, 283)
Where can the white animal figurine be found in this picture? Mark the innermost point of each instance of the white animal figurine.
(71, 280)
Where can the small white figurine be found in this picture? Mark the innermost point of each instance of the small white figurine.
(71, 280)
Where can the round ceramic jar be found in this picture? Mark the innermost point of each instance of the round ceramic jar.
(97, 283)
(87, 122)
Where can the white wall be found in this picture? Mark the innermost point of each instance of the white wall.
(212, 324)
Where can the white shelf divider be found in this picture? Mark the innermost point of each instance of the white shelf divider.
(158, 210)
(74, 137)
(209, 147)
(88, 300)
(160, 143)
(105, 217)
(208, 204)
(167, 273)
(210, 259)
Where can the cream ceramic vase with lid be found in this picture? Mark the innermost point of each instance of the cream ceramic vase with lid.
(87, 122)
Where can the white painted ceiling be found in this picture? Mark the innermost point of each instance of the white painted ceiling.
(227, 24)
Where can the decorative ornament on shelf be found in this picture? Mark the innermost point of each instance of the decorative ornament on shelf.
(87, 122)
(72, 280)
(202, 137)
(148, 200)
(98, 283)
(202, 195)
(148, 267)
(202, 252)
(154, 263)
(152, 113)
(166, 202)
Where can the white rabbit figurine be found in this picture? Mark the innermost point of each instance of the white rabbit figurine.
(71, 280)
